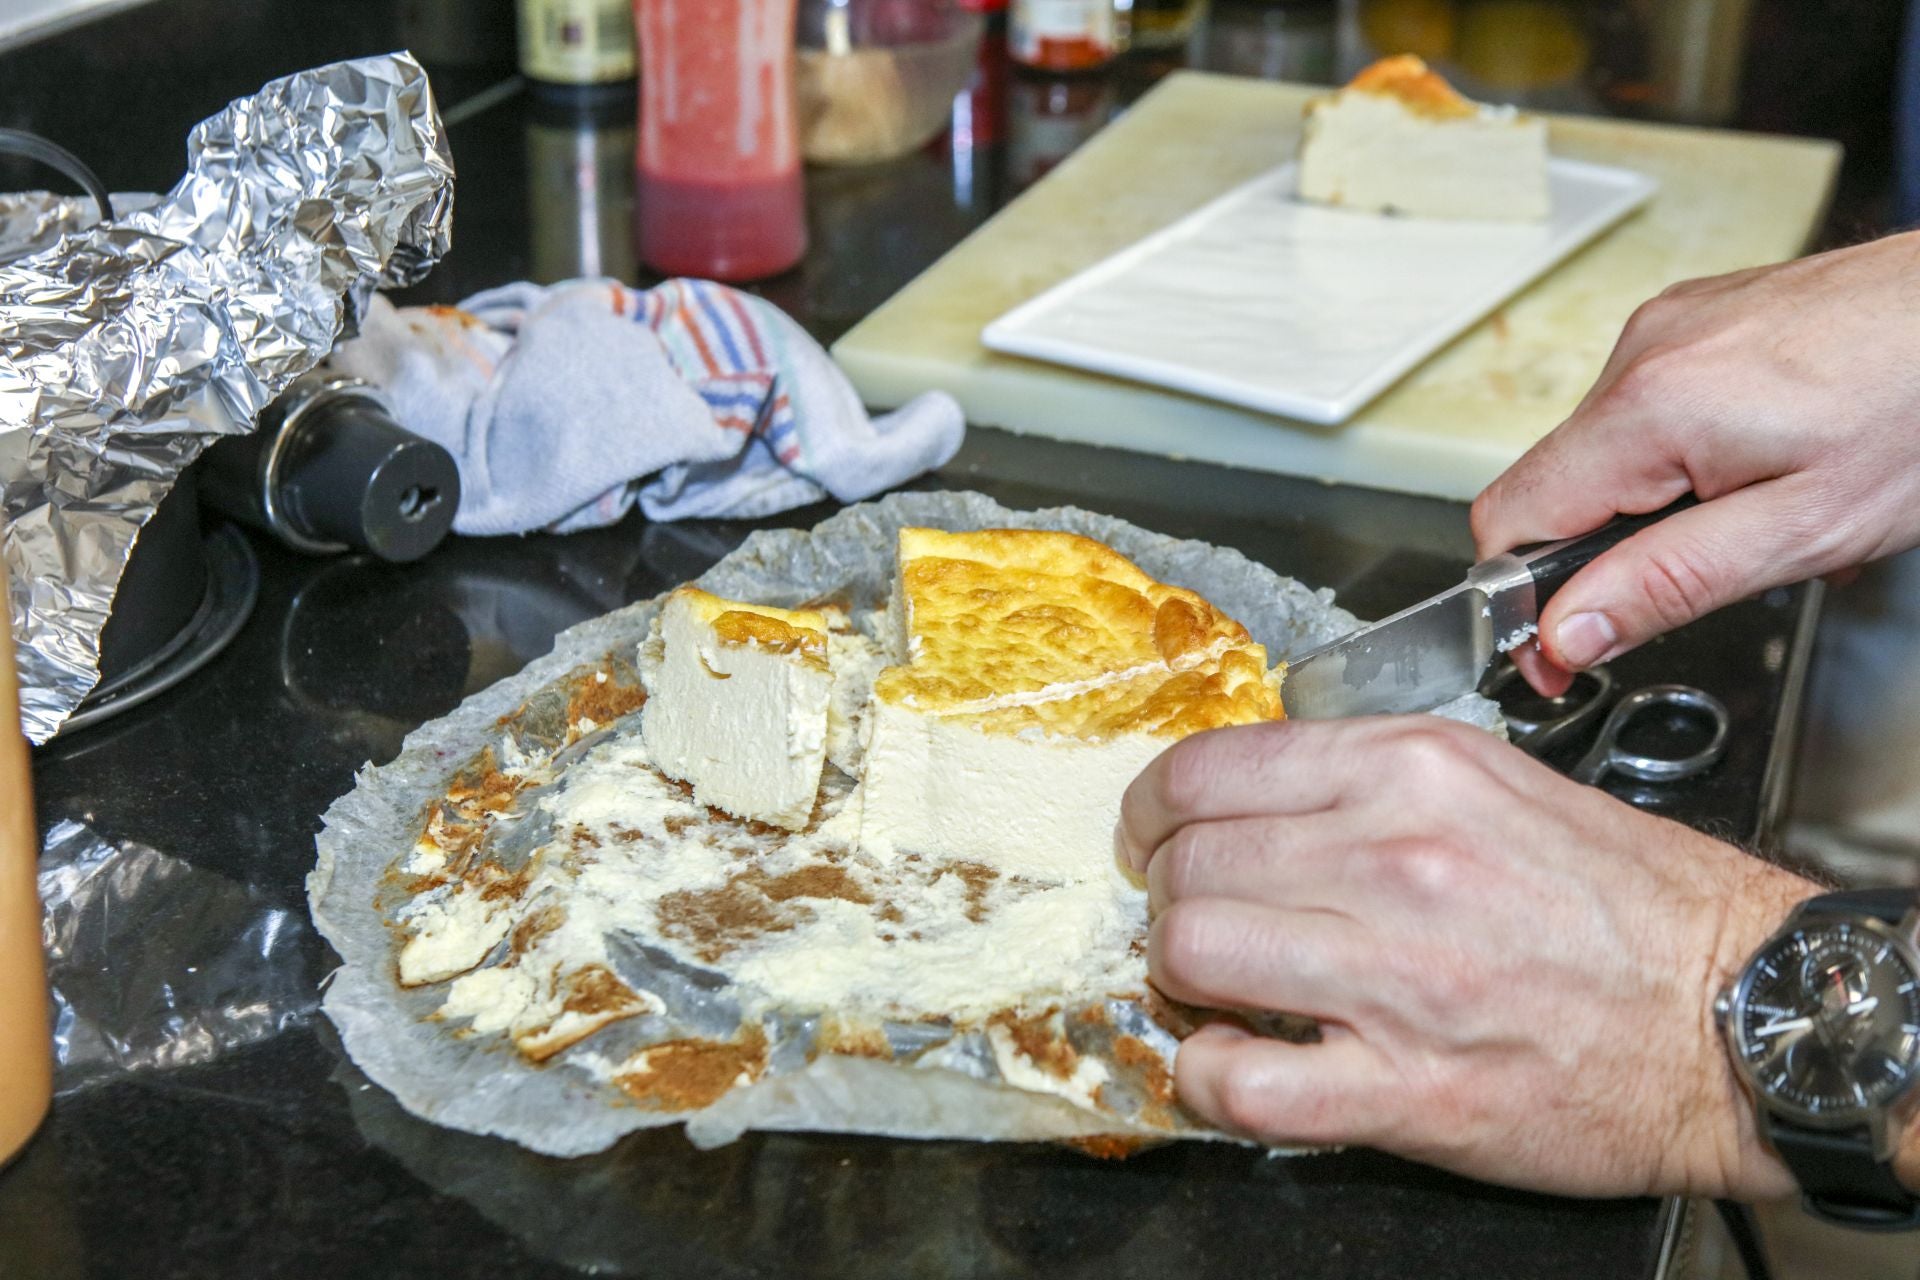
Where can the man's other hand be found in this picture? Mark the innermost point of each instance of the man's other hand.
(1786, 397)
(1514, 973)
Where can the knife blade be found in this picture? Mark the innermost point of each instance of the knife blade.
(1437, 650)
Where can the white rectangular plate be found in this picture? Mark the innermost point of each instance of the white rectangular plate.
(1262, 300)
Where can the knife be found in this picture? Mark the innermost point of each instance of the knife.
(1437, 650)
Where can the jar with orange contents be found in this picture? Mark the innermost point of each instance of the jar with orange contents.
(26, 1045)
(1067, 35)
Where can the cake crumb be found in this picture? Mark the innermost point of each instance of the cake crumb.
(1041, 1039)
(1107, 1146)
(595, 998)
(601, 700)
(1133, 1052)
(751, 904)
(534, 927)
(685, 1075)
(852, 1038)
(811, 882)
(978, 879)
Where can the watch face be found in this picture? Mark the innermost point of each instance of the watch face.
(1826, 1022)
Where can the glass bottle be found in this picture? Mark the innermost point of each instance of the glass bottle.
(719, 187)
(1165, 24)
(576, 44)
(1067, 35)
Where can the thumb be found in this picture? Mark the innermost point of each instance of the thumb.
(1684, 567)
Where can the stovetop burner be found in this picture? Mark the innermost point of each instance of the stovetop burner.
(233, 583)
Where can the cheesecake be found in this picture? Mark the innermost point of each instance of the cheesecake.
(1400, 139)
(1035, 673)
(736, 704)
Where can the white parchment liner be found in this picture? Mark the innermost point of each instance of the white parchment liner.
(481, 1085)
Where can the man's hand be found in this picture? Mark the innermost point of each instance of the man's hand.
(1514, 973)
(1786, 397)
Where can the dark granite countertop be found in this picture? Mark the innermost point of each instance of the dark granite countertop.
(278, 1158)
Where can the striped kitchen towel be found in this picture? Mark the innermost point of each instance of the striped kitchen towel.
(566, 404)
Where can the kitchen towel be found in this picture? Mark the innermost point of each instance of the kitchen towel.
(566, 404)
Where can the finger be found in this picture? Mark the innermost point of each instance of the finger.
(1290, 766)
(1688, 565)
(1275, 861)
(1547, 679)
(1625, 448)
(1595, 466)
(1340, 1090)
(1223, 954)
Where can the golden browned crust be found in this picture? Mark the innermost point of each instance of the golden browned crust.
(733, 622)
(741, 626)
(1018, 629)
(1419, 88)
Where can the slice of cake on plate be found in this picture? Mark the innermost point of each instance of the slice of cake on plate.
(1036, 673)
(737, 704)
(1399, 139)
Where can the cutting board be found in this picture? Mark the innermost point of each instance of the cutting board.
(1726, 201)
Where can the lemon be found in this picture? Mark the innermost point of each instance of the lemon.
(1423, 27)
(1520, 44)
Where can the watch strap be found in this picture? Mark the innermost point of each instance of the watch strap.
(1840, 1179)
(1889, 906)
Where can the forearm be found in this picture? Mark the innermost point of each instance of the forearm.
(1745, 1169)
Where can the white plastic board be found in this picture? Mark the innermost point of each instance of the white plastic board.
(1261, 300)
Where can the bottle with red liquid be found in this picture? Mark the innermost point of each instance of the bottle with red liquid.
(719, 187)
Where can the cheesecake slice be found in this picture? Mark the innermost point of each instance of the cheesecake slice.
(737, 704)
(1399, 139)
(1036, 673)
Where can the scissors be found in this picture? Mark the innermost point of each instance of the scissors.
(1592, 693)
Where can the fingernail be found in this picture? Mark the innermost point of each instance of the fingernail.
(1586, 638)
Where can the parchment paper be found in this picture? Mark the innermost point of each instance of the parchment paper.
(953, 1089)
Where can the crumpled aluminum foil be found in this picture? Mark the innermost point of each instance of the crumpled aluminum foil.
(33, 221)
(129, 346)
(155, 964)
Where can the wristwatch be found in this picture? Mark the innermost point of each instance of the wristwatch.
(1824, 1027)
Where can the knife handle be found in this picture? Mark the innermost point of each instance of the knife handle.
(1551, 563)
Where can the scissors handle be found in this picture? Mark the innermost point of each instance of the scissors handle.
(1551, 564)
(1564, 716)
(1608, 756)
